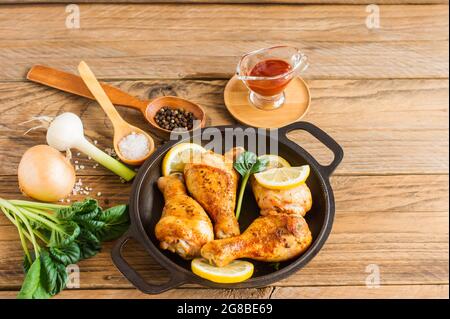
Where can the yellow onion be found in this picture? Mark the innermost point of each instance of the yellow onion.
(45, 174)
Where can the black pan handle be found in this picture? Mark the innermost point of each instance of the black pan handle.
(133, 276)
(323, 137)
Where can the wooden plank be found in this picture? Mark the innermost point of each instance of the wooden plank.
(262, 293)
(327, 2)
(384, 126)
(333, 292)
(205, 41)
(397, 193)
(353, 292)
(413, 255)
(402, 227)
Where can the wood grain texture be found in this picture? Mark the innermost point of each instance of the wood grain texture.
(384, 126)
(262, 293)
(328, 2)
(354, 292)
(205, 41)
(410, 256)
(347, 292)
(382, 94)
(394, 193)
(400, 229)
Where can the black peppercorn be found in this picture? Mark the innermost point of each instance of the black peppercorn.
(169, 118)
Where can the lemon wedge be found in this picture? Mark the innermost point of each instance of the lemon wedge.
(177, 157)
(283, 177)
(274, 161)
(236, 271)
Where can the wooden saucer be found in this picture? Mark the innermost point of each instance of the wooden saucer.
(294, 108)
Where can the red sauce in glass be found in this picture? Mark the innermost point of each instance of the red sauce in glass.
(269, 68)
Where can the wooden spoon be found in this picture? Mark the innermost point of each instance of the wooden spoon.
(72, 83)
(121, 127)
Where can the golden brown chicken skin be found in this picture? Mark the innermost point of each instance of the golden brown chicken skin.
(184, 226)
(275, 237)
(213, 182)
(297, 200)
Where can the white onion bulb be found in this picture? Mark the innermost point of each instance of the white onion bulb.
(45, 174)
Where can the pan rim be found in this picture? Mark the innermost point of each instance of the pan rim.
(186, 275)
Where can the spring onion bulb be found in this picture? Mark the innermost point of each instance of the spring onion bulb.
(66, 132)
(45, 174)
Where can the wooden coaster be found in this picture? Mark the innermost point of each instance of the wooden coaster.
(294, 108)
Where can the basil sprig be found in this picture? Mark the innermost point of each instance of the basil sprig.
(247, 164)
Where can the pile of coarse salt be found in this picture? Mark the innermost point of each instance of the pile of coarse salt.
(134, 146)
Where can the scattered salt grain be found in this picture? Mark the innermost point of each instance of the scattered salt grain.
(77, 187)
(95, 142)
(111, 152)
(99, 194)
(134, 146)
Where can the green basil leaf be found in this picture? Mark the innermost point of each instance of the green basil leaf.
(245, 162)
(61, 278)
(86, 216)
(259, 166)
(48, 272)
(32, 281)
(53, 274)
(69, 254)
(89, 244)
(41, 293)
(88, 236)
(88, 249)
(43, 279)
(93, 225)
(71, 232)
(116, 221)
(86, 209)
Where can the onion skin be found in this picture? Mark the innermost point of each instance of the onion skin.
(45, 174)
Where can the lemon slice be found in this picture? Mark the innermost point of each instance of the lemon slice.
(236, 271)
(177, 157)
(275, 161)
(283, 177)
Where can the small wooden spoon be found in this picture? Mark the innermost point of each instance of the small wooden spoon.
(72, 83)
(121, 127)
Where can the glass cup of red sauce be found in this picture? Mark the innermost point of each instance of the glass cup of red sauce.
(267, 72)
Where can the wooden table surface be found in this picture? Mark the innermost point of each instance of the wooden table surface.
(381, 93)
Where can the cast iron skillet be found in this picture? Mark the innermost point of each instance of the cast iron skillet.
(146, 204)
